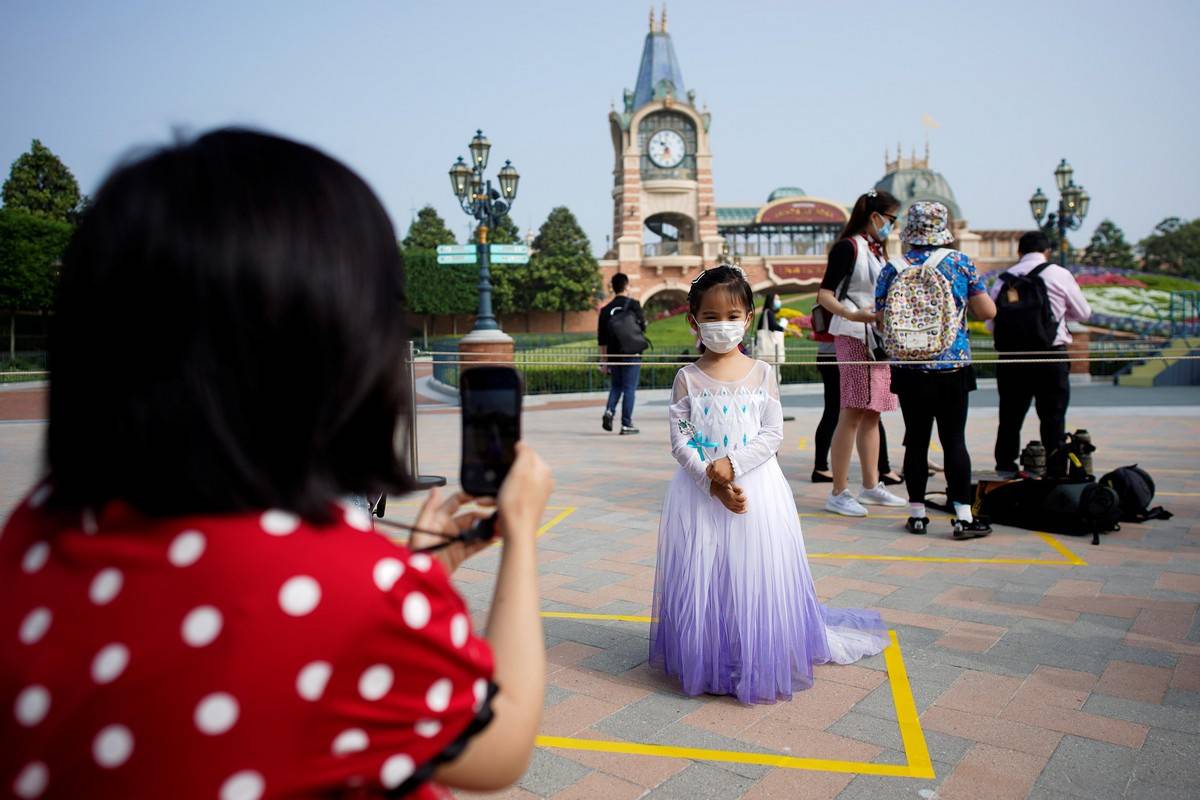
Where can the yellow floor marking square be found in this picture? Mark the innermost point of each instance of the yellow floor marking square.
(916, 752)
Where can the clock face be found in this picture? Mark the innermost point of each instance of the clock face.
(666, 149)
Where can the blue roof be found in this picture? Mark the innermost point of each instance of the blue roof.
(658, 64)
(785, 191)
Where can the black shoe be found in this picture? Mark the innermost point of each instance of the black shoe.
(917, 525)
(817, 477)
(974, 529)
(890, 479)
(628, 430)
(606, 420)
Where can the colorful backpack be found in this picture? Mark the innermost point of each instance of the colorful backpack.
(920, 318)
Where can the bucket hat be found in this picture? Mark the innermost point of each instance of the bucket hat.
(928, 223)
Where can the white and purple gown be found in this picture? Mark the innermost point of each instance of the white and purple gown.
(735, 609)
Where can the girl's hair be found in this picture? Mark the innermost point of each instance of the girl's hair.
(253, 288)
(874, 201)
(725, 278)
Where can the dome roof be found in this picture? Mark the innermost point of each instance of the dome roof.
(919, 183)
(785, 191)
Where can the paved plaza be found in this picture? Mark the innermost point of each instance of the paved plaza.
(1022, 665)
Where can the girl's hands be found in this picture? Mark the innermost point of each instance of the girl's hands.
(732, 497)
(720, 471)
(523, 496)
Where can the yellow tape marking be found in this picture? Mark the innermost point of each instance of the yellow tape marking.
(915, 750)
(1072, 560)
(1067, 554)
(803, 442)
(580, 615)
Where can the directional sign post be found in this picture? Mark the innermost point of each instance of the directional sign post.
(509, 254)
(456, 254)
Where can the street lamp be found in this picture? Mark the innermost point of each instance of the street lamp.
(479, 200)
(1073, 202)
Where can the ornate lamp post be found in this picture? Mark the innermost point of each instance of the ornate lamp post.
(1073, 202)
(487, 205)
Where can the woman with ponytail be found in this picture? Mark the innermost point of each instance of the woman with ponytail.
(848, 293)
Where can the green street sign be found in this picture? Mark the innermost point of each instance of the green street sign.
(509, 250)
(510, 259)
(456, 250)
(468, 258)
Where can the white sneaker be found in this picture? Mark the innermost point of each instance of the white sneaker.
(845, 504)
(880, 496)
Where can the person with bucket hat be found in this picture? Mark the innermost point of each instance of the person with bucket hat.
(936, 389)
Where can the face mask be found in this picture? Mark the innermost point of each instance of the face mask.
(778, 304)
(885, 231)
(721, 337)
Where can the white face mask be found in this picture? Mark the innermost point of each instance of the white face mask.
(721, 337)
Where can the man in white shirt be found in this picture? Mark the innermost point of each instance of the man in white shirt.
(1046, 385)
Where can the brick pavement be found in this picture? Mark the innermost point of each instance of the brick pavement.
(1041, 678)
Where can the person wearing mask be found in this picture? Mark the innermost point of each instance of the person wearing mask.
(193, 610)
(769, 335)
(938, 391)
(1047, 386)
(848, 293)
(625, 368)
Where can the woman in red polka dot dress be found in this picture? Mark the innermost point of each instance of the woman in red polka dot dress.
(189, 611)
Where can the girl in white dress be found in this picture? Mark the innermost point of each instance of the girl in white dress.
(735, 610)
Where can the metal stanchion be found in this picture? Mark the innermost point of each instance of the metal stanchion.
(423, 482)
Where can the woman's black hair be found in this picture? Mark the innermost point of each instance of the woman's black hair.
(873, 202)
(768, 303)
(229, 335)
(728, 279)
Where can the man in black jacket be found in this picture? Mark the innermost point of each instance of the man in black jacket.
(625, 368)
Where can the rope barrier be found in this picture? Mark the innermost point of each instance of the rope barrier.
(961, 362)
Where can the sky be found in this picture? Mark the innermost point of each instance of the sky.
(801, 93)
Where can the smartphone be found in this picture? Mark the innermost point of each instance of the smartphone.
(491, 426)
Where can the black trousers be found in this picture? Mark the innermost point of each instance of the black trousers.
(831, 380)
(926, 397)
(1048, 386)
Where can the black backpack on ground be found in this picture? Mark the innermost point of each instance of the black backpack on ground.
(624, 331)
(1024, 321)
(1135, 488)
(1077, 508)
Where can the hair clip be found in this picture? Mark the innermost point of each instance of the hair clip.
(872, 194)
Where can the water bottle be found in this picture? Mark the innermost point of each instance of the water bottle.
(1085, 448)
(1033, 458)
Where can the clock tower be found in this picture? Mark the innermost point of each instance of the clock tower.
(664, 215)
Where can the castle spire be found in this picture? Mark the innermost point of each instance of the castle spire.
(663, 25)
(652, 18)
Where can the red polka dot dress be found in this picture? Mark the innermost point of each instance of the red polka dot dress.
(228, 657)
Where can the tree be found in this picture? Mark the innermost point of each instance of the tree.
(39, 183)
(562, 274)
(1108, 248)
(428, 231)
(1174, 247)
(31, 248)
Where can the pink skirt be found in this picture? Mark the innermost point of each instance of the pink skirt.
(863, 386)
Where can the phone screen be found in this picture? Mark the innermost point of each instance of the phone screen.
(491, 428)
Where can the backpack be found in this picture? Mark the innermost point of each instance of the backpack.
(920, 318)
(1077, 508)
(1024, 320)
(625, 332)
(1135, 488)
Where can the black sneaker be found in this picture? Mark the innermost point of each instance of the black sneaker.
(974, 529)
(628, 430)
(606, 420)
(917, 525)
